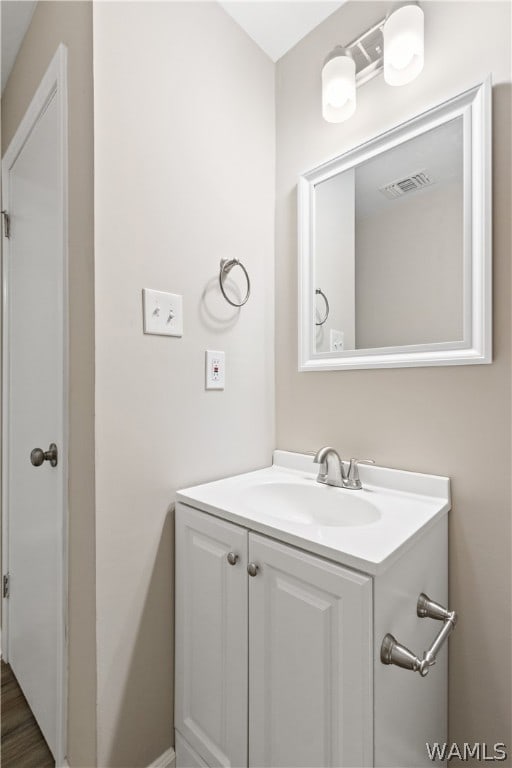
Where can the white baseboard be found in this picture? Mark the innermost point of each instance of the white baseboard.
(167, 760)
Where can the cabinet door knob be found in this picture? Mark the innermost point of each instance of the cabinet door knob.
(252, 569)
(233, 558)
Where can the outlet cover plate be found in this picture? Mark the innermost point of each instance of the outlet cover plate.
(215, 369)
(162, 312)
(336, 341)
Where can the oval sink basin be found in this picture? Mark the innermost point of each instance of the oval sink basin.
(303, 504)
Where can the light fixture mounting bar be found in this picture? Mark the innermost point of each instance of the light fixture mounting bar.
(367, 50)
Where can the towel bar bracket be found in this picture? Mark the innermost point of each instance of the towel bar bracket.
(393, 652)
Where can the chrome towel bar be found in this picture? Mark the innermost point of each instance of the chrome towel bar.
(392, 652)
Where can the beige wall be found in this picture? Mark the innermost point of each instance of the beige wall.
(454, 420)
(184, 175)
(71, 23)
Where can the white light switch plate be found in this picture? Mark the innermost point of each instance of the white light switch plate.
(215, 369)
(163, 313)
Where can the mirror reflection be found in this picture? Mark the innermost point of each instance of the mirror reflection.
(389, 247)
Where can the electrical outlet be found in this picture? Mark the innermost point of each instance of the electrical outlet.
(215, 369)
(336, 341)
(162, 312)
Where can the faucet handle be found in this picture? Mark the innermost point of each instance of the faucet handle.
(353, 482)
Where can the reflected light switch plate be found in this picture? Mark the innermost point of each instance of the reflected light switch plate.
(162, 312)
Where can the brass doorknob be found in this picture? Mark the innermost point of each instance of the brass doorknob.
(38, 456)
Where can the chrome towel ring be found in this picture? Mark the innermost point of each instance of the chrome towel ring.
(226, 265)
(327, 309)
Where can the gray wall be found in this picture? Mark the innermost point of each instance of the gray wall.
(71, 23)
(184, 176)
(409, 270)
(335, 259)
(454, 420)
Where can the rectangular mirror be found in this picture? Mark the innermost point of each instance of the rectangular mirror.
(394, 246)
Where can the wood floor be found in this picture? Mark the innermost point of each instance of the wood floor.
(23, 745)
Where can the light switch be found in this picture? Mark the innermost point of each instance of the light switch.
(215, 369)
(163, 313)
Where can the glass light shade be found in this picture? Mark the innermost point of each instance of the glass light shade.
(338, 87)
(403, 45)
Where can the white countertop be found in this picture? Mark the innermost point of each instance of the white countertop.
(407, 504)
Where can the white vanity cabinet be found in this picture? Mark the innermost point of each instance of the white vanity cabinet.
(287, 590)
(273, 669)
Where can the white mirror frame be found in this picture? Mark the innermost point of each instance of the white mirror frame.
(474, 106)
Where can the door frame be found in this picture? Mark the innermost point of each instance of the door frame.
(53, 85)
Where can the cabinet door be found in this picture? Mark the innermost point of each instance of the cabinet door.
(211, 637)
(310, 661)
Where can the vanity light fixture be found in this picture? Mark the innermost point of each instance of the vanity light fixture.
(395, 45)
(338, 86)
(403, 45)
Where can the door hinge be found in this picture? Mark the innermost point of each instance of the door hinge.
(7, 224)
(6, 581)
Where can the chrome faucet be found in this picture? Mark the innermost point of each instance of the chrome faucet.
(335, 473)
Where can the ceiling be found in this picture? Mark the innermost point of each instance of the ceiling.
(275, 25)
(278, 26)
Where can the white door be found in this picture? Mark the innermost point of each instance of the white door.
(310, 661)
(211, 637)
(34, 497)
